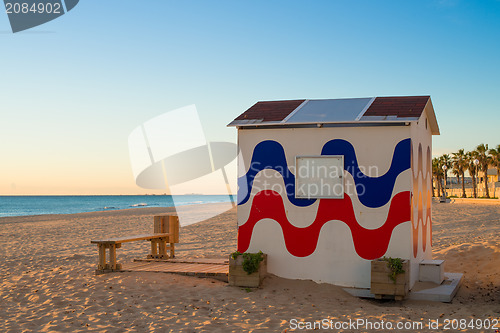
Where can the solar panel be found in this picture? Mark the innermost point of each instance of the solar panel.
(329, 110)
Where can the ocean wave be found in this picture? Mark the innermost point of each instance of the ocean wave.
(142, 204)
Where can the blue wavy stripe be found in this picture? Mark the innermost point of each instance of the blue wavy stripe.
(269, 155)
(372, 191)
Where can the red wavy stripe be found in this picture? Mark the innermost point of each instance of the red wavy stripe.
(301, 242)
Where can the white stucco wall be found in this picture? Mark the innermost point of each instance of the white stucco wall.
(334, 259)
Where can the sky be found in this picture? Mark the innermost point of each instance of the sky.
(72, 90)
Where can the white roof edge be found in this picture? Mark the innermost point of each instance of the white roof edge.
(365, 109)
(395, 121)
(431, 115)
(295, 111)
(338, 99)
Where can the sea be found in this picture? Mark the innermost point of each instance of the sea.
(72, 204)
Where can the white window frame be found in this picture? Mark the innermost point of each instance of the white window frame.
(297, 176)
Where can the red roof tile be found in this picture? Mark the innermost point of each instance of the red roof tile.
(407, 106)
(270, 111)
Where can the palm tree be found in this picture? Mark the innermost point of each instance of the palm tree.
(495, 161)
(436, 173)
(456, 173)
(495, 156)
(459, 167)
(445, 160)
(484, 162)
(470, 156)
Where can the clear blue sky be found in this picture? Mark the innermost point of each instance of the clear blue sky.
(73, 89)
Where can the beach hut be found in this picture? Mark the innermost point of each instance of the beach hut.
(326, 186)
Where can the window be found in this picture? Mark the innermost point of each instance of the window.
(319, 177)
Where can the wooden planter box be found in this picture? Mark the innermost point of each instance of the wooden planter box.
(238, 277)
(381, 283)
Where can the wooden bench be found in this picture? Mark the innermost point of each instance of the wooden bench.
(166, 230)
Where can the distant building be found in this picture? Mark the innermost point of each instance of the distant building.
(492, 175)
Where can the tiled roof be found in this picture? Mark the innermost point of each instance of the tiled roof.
(407, 106)
(270, 111)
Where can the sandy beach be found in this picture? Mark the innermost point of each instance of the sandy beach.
(48, 282)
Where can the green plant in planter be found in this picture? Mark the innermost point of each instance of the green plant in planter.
(235, 255)
(251, 261)
(396, 267)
